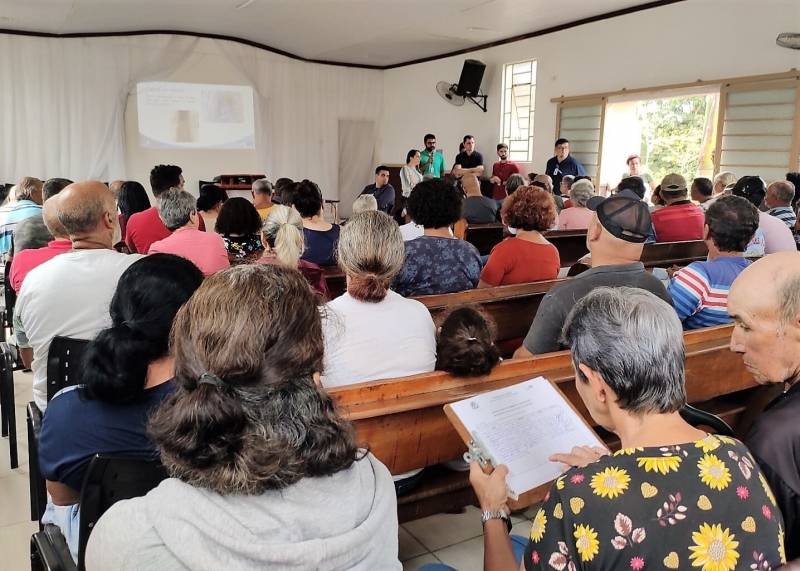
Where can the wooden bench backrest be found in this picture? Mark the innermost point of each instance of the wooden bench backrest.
(404, 424)
(666, 254)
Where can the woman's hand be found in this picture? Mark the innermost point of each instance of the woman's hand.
(490, 488)
(579, 457)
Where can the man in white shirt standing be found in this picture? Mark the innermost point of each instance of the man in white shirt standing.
(70, 294)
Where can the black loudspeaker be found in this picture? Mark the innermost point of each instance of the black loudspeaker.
(471, 77)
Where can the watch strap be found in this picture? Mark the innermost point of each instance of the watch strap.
(496, 514)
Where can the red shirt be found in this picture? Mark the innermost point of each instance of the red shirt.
(145, 228)
(312, 272)
(678, 222)
(26, 260)
(503, 170)
(517, 261)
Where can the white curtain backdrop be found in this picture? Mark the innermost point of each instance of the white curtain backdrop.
(356, 164)
(299, 107)
(62, 101)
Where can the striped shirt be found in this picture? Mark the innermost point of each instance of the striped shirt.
(700, 291)
(10, 216)
(785, 214)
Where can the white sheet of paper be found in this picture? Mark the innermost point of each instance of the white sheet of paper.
(521, 426)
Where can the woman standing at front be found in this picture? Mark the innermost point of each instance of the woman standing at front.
(409, 173)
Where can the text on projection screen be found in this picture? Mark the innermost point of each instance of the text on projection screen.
(195, 116)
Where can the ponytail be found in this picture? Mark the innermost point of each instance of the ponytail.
(283, 233)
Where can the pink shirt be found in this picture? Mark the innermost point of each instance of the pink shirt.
(26, 260)
(206, 250)
(574, 218)
(777, 236)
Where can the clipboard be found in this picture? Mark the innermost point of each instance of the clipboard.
(477, 451)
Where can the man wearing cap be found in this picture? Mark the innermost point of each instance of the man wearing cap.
(679, 220)
(700, 290)
(615, 238)
(563, 163)
(777, 236)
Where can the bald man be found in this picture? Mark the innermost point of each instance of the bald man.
(544, 181)
(478, 209)
(69, 295)
(767, 335)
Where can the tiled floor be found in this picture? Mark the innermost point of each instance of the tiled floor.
(453, 539)
(15, 525)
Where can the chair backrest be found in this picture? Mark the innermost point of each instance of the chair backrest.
(108, 480)
(9, 296)
(63, 361)
(697, 418)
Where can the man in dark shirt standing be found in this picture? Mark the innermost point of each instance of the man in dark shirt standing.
(615, 238)
(468, 161)
(381, 190)
(767, 335)
(562, 164)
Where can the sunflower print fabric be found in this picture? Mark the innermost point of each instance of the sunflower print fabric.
(704, 506)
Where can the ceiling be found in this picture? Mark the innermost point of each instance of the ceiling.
(376, 33)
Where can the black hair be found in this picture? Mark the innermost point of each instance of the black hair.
(632, 183)
(794, 178)
(132, 198)
(539, 184)
(53, 186)
(149, 294)
(238, 216)
(465, 343)
(210, 196)
(307, 198)
(410, 155)
(384, 168)
(731, 221)
(435, 203)
(428, 137)
(164, 177)
(467, 138)
(501, 146)
(703, 185)
(561, 142)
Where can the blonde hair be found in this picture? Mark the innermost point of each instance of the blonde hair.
(364, 203)
(283, 233)
(725, 178)
(371, 252)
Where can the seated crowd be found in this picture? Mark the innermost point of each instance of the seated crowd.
(214, 338)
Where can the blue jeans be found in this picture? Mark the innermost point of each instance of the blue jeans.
(518, 543)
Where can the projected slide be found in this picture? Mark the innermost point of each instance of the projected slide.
(195, 116)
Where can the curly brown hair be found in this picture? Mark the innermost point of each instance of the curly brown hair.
(530, 208)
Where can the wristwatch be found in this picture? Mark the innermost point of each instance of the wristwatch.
(496, 514)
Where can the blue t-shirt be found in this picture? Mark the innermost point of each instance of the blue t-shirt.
(321, 246)
(75, 428)
(700, 291)
(556, 170)
(438, 265)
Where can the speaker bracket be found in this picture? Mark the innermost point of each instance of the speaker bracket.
(479, 100)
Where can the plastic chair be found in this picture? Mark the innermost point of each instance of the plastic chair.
(38, 486)
(697, 417)
(108, 480)
(63, 362)
(8, 411)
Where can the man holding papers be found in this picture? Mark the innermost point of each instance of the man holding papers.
(673, 497)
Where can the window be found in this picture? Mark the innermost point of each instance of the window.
(516, 115)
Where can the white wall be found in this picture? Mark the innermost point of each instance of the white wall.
(206, 65)
(697, 39)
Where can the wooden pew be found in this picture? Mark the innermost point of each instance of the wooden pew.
(512, 308)
(484, 236)
(571, 245)
(403, 422)
(666, 254)
(335, 279)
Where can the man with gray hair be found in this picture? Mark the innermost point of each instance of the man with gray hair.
(70, 294)
(29, 202)
(778, 199)
(206, 250)
(32, 232)
(767, 336)
(262, 192)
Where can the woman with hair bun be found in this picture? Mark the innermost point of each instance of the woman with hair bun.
(282, 236)
(465, 343)
(266, 472)
(124, 375)
(372, 332)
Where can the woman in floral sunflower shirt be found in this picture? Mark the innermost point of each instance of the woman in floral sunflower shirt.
(674, 497)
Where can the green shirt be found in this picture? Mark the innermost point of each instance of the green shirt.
(645, 176)
(437, 168)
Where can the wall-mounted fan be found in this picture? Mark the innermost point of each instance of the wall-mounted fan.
(448, 93)
(788, 40)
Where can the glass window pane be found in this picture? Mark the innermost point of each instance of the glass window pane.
(522, 67)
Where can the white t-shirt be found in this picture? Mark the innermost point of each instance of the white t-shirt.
(777, 234)
(410, 231)
(370, 341)
(69, 296)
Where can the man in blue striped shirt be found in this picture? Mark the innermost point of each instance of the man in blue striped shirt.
(700, 290)
(29, 202)
(779, 201)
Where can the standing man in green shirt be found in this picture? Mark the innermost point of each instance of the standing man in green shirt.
(431, 161)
